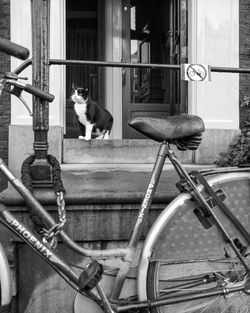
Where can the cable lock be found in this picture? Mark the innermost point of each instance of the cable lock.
(49, 235)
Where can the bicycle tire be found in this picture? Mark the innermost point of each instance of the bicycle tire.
(179, 250)
(5, 282)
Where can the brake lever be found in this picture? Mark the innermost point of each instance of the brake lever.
(18, 93)
(14, 76)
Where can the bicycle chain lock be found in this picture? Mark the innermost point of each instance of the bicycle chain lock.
(49, 235)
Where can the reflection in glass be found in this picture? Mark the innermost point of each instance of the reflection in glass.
(154, 38)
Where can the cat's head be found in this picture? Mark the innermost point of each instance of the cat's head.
(79, 94)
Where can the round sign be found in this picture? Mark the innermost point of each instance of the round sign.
(196, 72)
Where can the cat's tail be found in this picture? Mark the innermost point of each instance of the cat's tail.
(110, 124)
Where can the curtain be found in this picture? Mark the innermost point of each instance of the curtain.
(82, 44)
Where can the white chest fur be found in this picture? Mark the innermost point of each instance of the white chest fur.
(81, 109)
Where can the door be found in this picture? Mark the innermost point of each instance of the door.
(154, 31)
(84, 41)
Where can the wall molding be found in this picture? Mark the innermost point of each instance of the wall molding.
(214, 40)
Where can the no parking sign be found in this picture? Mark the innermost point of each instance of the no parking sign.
(195, 72)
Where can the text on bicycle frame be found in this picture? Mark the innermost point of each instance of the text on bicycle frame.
(146, 200)
(31, 239)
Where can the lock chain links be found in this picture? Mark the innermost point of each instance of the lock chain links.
(50, 236)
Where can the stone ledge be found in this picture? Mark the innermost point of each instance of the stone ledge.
(118, 151)
(140, 151)
(102, 184)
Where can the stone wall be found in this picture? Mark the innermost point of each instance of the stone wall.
(244, 41)
(5, 99)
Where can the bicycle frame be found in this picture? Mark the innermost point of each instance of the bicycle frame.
(13, 224)
(127, 254)
(56, 261)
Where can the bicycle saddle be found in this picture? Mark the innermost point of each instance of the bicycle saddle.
(182, 130)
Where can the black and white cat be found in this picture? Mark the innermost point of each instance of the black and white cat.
(90, 115)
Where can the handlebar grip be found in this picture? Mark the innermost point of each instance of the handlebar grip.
(13, 49)
(39, 93)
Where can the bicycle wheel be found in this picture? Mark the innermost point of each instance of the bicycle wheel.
(187, 263)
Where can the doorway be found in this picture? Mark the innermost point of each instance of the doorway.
(84, 41)
(153, 32)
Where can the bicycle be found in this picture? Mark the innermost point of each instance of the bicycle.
(196, 254)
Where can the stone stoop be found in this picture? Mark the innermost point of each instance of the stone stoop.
(125, 151)
(140, 151)
(117, 171)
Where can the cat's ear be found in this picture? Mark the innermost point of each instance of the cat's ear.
(73, 86)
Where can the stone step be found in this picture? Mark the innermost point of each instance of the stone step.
(143, 151)
(115, 151)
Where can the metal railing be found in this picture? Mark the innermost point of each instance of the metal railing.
(130, 65)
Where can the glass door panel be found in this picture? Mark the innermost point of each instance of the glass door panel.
(151, 34)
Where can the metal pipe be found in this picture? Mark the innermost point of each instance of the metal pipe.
(40, 169)
(23, 66)
(144, 65)
(112, 64)
(14, 225)
(215, 69)
(149, 194)
(230, 70)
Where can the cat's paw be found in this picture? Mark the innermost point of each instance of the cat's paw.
(81, 137)
(87, 138)
(99, 137)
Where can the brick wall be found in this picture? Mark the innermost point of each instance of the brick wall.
(5, 99)
(244, 59)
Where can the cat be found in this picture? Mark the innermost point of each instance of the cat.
(90, 115)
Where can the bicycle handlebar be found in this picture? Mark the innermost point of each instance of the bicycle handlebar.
(13, 49)
(31, 89)
(39, 93)
(10, 48)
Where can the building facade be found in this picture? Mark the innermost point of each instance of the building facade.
(157, 32)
